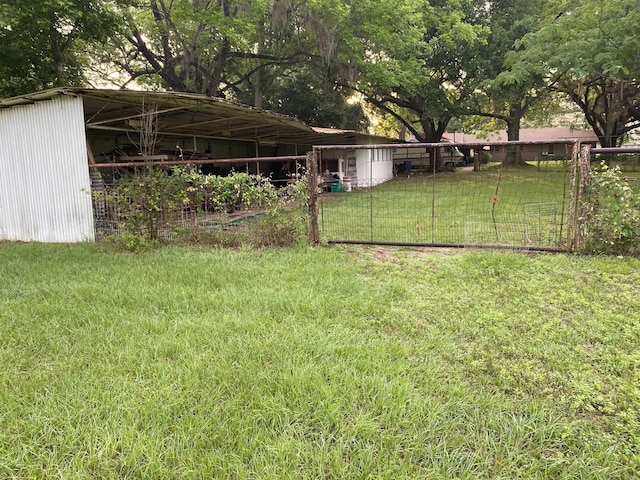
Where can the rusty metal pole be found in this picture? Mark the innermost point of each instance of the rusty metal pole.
(313, 197)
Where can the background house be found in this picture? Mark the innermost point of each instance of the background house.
(555, 146)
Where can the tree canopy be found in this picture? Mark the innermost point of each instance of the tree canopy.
(411, 59)
(590, 51)
(47, 43)
(419, 62)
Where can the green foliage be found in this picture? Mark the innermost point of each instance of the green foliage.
(150, 201)
(128, 242)
(411, 59)
(237, 190)
(278, 229)
(587, 49)
(506, 92)
(146, 200)
(612, 213)
(48, 43)
(308, 95)
(283, 224)
(216, 48)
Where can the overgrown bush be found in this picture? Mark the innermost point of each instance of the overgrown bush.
(145, 200)
(238, 190)
(611, 221)
(278, 228)
(148, 201)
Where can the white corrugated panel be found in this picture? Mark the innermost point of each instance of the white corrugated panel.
(45, 190)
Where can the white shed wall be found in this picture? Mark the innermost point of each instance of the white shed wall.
(373, 167)
(45, 190)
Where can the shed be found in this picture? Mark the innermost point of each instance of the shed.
(48, 137)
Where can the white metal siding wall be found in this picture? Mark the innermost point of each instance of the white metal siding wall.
(45, 190)
(374, 167)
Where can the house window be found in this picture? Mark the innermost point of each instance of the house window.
(550, 149)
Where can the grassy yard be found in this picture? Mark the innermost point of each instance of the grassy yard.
(522, 206)
(194, 363)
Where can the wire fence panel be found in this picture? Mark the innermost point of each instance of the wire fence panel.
(111, 217)
(513, 207)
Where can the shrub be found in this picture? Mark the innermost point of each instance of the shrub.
(150, 200)
(611, 221)
(144, 201)
(278, 228)
(485, 157)
(237, 190)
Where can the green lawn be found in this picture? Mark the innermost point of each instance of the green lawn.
(516, 207)
(195, 363)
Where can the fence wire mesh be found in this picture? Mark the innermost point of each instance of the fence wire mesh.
(523, 206)
(110, 218)
(168, 202)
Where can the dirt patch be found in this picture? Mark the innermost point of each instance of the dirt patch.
(391, 254)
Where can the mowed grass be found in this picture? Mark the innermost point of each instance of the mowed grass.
(522, 206)
(317, 363)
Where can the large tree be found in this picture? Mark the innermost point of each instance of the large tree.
(218, 48)
(411, 59)
(591, 52)
(506, 91)
(45, 43)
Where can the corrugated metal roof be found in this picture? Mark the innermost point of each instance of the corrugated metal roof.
(190, 114)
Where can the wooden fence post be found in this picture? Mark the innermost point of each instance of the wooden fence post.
(572, 221)
(313, 197)
(580, 177)
(584, 164)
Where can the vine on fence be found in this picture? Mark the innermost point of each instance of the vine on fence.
(612, 219)
(143, 201)
(148, 201)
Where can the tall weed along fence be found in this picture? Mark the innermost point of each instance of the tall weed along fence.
(172, 199)
(532, 206)
(609, 216)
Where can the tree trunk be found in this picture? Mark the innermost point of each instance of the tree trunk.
(607, 108)
(258, 92)
(433, 131)
(514, 152)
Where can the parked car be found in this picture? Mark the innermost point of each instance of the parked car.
(406, 158)
(453, 157)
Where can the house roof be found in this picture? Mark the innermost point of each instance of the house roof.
(561, 134)
(189, 114)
